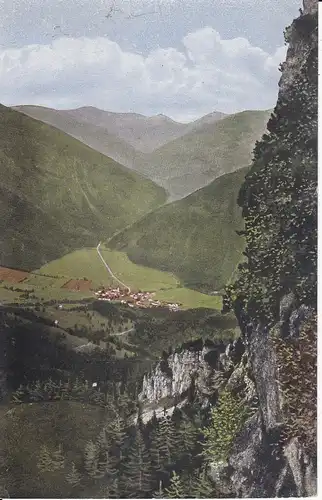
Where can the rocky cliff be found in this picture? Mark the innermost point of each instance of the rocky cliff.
(274, 297)
(181, 372)
(183, 376)
(273, 365)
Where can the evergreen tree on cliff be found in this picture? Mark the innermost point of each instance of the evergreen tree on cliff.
(274, 296)
(279, 195)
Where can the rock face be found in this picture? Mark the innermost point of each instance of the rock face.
(179, 373)
(261, 464)
(297, 50)
(258, 465)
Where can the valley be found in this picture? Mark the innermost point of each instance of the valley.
(158, 296)
(83, 321)
(179, 157)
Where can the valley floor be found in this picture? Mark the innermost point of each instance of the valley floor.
(86, 264)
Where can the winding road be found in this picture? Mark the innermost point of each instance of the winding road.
(110, 270)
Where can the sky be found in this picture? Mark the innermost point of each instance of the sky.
(181, 58)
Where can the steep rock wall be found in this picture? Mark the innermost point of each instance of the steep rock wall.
(262, 462)
(181, 372)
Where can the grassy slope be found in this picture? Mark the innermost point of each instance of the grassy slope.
(56, 194)
(199, 157)
(195, 238)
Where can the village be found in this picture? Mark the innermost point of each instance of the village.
(134, 299)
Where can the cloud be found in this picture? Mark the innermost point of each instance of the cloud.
(205, 73)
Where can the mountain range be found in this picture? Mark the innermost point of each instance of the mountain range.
(179, 157)
(207, 151)
(173, 208)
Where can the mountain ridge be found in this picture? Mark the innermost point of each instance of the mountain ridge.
(177, 238)
(57, 194)
(206, 148)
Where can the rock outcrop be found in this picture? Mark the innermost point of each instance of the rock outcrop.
(259, 466)
(263, 462)
(180, 373)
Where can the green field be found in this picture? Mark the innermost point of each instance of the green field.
(44, 282)
(39, 294)
(87, 264)
(190, 298)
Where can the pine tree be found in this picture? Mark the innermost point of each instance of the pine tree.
(160, 493)
(110, 488)
(116, 436)
(77, 389)
(201, 485)
(157, 459)
(137, 471)
(176, 488)
(45, 462)
(50, 388)
(187, 435)
(227, 418)
(65, 391)
(103, 464)
(73, 477)
(57, 393)
(102, 440)
(91, 456)
(58, 459)
(168, 440)
(37, 391)
(17, 396)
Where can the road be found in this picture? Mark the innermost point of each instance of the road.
(119, 281)
(123, 333)
(109, 269)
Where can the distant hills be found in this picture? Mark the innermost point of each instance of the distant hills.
(57, 194)
(144, 133)
(140, 132)
(94, 136)
(180, 157)
(207, 151)
(195, 237)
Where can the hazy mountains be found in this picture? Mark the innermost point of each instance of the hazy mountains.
(90, 134)
(208, 151)
(180, 157)
(134, 132)
(56, 194)
(144, 133)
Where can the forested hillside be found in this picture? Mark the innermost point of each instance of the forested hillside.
(58, 194)
(195, 238)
